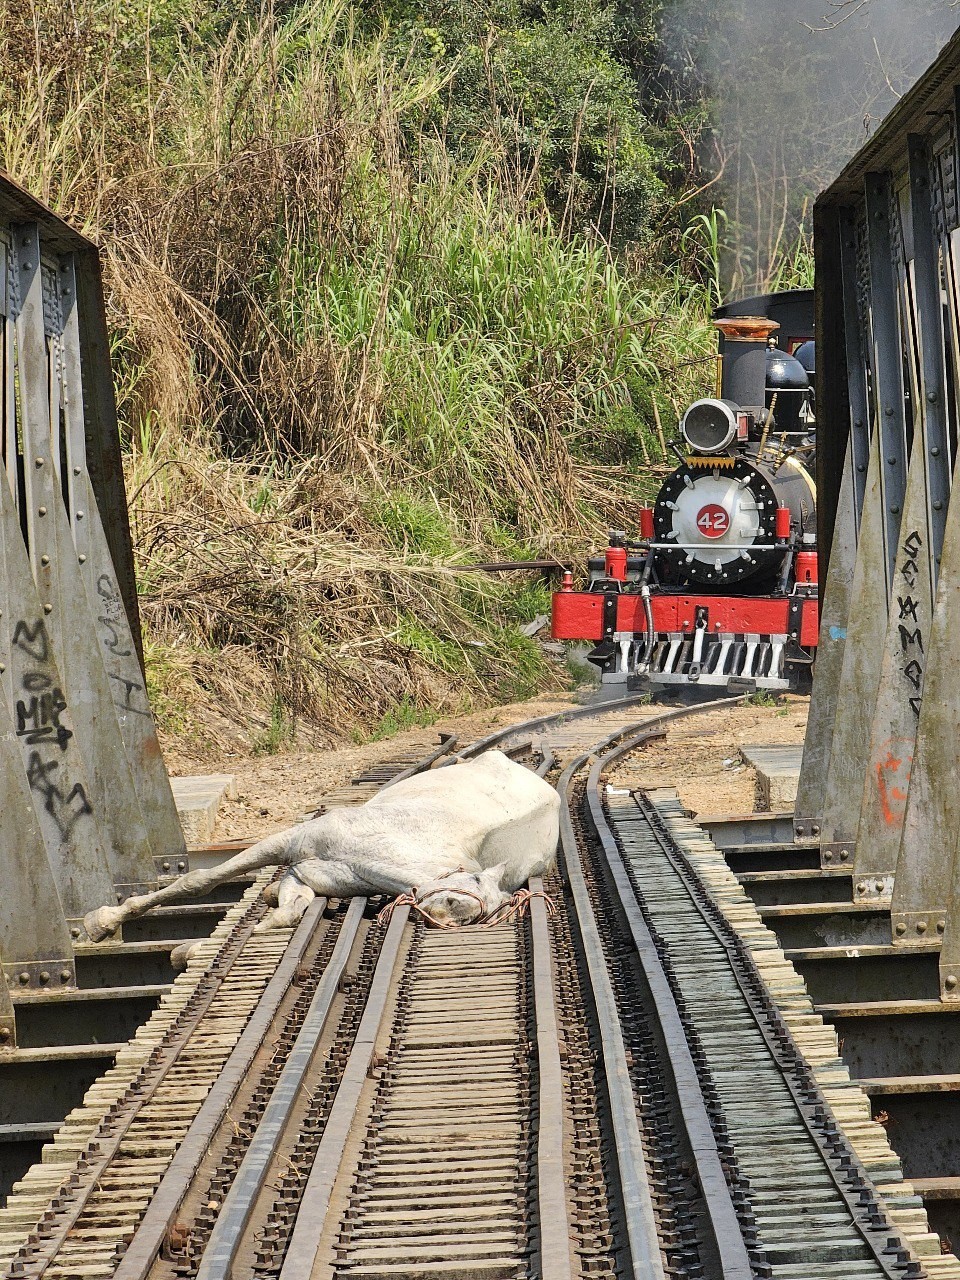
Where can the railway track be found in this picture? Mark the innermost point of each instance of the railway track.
(604, 1088)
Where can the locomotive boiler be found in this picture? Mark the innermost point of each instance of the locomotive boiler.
(720, 587)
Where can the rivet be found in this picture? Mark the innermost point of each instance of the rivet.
(23, 979)
(44, 976)
(938, 505)
(900, 930)
(878, 886)
(4, 1034)
(894, 511)
(42, 510)
(65, 975)
(950, 981)
(74, 932)
(165, 866)
(79, 515)
(82, 559)
(2, 668)
(861, 887)
(932, 397)
(889, 411)
(941, 926)
(921, 926)
(892, 461)
(76, 471)
(844, 855)
(44, 559)
(815, 829)
(38, 462)
(828, 857)
(48, 608)
(935, 452)
(861, 468)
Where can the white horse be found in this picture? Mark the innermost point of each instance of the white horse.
(459, 841)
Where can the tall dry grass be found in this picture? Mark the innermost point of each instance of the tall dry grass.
(346, 366)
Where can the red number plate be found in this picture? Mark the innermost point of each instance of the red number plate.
(713, 521)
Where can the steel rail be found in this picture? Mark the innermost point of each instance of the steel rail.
(59, 1221)
(845, 1170)
(164, 1205)
(725, 1226)
(305, 1241)
(448, 742)
(227, 1234)
(554, 1247)
(55, 1225)
(174, 1186)
(557, 718)
(844, 1167)
(551, 1183)
(643, 1240)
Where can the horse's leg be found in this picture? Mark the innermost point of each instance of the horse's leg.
(293, 898)
(106, 920)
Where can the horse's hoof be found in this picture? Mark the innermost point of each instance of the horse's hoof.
(101, 923)
(266, 924)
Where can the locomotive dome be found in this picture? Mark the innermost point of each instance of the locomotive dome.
(806, 353)
(785, 372)
(787, 388)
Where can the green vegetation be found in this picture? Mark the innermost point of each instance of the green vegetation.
(763, 698)
(392, 288)
(403, 715)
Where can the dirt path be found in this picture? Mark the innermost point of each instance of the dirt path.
(273, 791)
(700, 757)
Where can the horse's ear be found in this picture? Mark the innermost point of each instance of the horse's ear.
(496, 872)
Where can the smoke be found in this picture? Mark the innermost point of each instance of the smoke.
(796, 88)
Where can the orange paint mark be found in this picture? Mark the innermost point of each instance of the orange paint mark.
(893, 780)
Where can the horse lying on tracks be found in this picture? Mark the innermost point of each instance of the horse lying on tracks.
(459, 842)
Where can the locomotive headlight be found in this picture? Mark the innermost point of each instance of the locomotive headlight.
(709, 426)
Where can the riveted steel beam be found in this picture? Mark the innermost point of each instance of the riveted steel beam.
(880, 525)
(894, 732)
(821, 718)
(926, 858)
(835, 610)
(43, 738)
(118, 646)
(69, 621)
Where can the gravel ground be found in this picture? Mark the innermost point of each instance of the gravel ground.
(700, 757)
(272, 791)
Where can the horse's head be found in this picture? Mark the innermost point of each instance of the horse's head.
(461, 897)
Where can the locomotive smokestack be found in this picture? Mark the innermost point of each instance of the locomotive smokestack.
(745, 341)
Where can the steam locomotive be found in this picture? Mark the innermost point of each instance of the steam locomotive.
(720, 588)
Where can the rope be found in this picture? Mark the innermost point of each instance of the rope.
(515, 909)
(518, 906)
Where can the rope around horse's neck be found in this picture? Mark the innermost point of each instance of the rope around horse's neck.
(514, 909)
